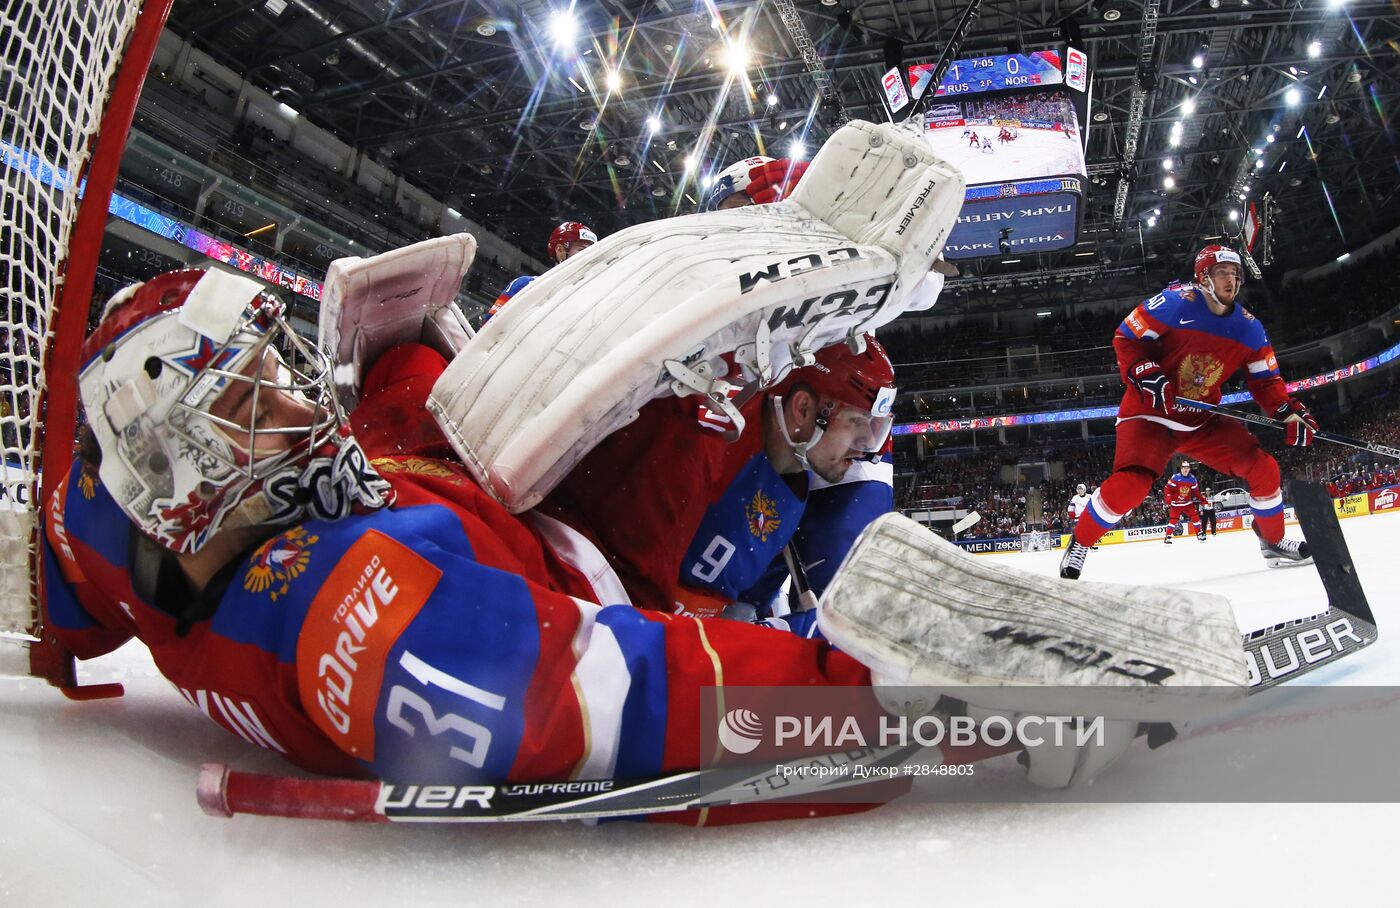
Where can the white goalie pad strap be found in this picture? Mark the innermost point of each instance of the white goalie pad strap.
(14, 656)
(919, 611)
(401, 296)
(582, 348)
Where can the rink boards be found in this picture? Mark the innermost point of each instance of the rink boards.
(1363, 504)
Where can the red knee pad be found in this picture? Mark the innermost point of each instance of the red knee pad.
(1120, 493)
(1126, 488)
(1262, 476)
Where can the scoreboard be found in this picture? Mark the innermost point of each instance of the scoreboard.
(983, 74)
(1012, 124)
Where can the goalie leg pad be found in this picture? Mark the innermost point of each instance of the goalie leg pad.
(920, 611)
(580, 350)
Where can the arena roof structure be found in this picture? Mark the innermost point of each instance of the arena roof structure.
(523, 114)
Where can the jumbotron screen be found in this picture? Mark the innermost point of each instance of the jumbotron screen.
(1011, 123)
(1008, 138)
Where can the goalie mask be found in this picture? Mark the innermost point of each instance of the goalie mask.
(844, 380)
(211, 413)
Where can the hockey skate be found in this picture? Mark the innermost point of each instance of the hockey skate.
(1073, 561)
(1168, 539)
(1285, 552)
(1201, 536)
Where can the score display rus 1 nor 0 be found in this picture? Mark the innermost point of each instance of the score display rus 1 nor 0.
(1011, 123)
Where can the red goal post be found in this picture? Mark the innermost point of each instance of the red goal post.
(74, 71)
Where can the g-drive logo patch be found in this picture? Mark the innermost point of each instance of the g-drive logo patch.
(884, 403)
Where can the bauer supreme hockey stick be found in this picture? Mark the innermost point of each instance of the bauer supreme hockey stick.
(1258, 419)
(224, 792)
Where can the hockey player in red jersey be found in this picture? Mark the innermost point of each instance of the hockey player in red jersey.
(565, 241)
(705, 516)
(375, 613)
(1182, 494)
(1189, 340)
(362, 613)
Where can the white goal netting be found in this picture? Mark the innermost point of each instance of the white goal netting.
(60, 60)
(1039, 541)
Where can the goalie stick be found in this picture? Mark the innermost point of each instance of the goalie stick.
(966, 523)
(945, 59)
(1373, 447)
(1284, 651)
(224, 792)
(1273, 655)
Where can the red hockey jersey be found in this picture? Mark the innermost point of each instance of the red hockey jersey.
(1199, 351)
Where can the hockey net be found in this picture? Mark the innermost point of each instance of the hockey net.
(68, 89)
(1039, 541)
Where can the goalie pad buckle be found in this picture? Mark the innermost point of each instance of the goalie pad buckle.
(717, 392)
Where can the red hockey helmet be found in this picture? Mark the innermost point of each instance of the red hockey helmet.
(863, 381)
(1213, 255)
(566, 233)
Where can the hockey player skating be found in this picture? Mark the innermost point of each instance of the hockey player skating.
(565, 241)
(973, 141)
(987, 146)
(1077, 504)
(1189, 340)
(1182, 495)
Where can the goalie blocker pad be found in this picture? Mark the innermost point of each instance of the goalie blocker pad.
(921, 612)
(651, 310)
(401, 296)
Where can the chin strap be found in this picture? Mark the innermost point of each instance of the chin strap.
(1208, 288)
(799, 450)
(823, 419)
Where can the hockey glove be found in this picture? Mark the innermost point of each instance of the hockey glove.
(1152, 383)
(775, 180)
(1299, 424)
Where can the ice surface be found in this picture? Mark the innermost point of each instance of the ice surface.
(100, 808)
(1036, 153)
